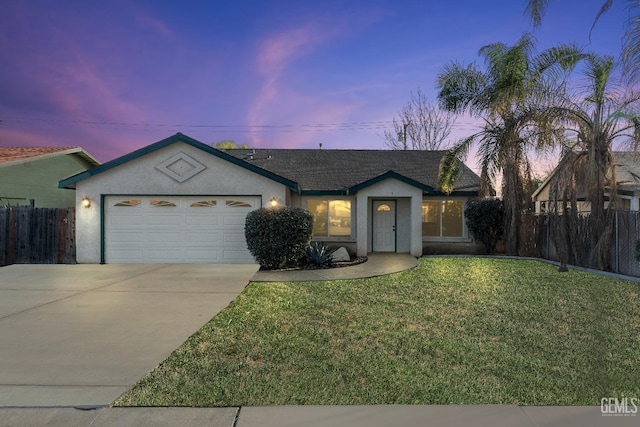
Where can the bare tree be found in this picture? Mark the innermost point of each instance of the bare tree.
(421, 125)
(227, 144)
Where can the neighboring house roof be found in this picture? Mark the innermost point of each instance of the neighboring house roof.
(627, 169)
(16, 155)
(318, 171)
(627, 172)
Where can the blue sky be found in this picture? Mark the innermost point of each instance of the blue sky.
(116, 76)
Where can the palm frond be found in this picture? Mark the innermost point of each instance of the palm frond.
(460, 88)
(536, 10)
(450, 164)
(603, 9)
(558, 60)
(630, 55)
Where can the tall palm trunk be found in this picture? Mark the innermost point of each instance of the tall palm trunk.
(602, 217)
(512, 196)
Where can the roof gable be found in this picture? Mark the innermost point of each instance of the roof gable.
(391, 174)
(178, 137)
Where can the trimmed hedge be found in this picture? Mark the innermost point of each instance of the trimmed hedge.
(485, 220)
(278, 237)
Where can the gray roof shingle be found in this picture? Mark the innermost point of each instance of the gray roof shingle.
(338, 170)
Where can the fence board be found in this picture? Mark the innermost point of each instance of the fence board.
(4, 236)
(626, 233)
(31, 235)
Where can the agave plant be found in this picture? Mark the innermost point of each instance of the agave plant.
(319, 254)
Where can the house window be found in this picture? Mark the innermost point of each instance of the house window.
(204, 204)
(128, 203)
(442, 218)
(624, 203)
(162, 204)
(237, 204)
(331, 218)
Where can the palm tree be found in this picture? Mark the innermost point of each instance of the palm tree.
(508, 95)
(630, 52)
(603, 114)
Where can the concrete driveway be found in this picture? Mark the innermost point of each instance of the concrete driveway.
(81, 335)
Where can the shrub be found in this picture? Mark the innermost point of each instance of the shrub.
(319, 254)
(277, 237)
(485, 220)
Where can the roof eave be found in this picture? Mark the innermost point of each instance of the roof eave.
(75, 150)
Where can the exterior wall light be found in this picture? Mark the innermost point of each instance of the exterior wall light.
(86, 202)
(274, 202)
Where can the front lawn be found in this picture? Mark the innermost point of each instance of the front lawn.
(451, 331)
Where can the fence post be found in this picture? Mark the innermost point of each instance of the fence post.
(548, 223)
(617, 246)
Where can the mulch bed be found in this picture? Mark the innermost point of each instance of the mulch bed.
(354, 261)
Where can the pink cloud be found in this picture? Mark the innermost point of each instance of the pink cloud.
(279, 51)
(157, 25)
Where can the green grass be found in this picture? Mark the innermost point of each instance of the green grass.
(451, 331)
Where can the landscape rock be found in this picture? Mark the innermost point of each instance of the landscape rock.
(341, 255)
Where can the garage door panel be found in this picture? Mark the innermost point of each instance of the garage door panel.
(203, 237)
(131, 237)
(163, 237)
(164, 220)
(193, 229)
(165, 255)
(234, 238)
(126, 220)
(199, 219)
(236, 219)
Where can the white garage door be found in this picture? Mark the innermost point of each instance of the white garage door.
(165, 229)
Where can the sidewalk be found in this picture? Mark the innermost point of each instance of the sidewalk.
(320, 416)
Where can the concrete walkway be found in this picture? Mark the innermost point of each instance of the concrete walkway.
(377, 264)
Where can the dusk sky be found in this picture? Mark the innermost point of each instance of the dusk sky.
(114, 76)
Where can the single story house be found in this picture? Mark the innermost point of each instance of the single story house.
(182, 201)
(627, 178)
(31, 174)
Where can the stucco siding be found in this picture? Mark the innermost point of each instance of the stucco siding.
(391, 189)
(142, 176)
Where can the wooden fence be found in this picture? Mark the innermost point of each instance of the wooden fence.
(37, 235)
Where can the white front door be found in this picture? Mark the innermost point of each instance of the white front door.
(384, 226)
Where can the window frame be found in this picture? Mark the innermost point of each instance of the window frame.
(328, 200)
(465, 232)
